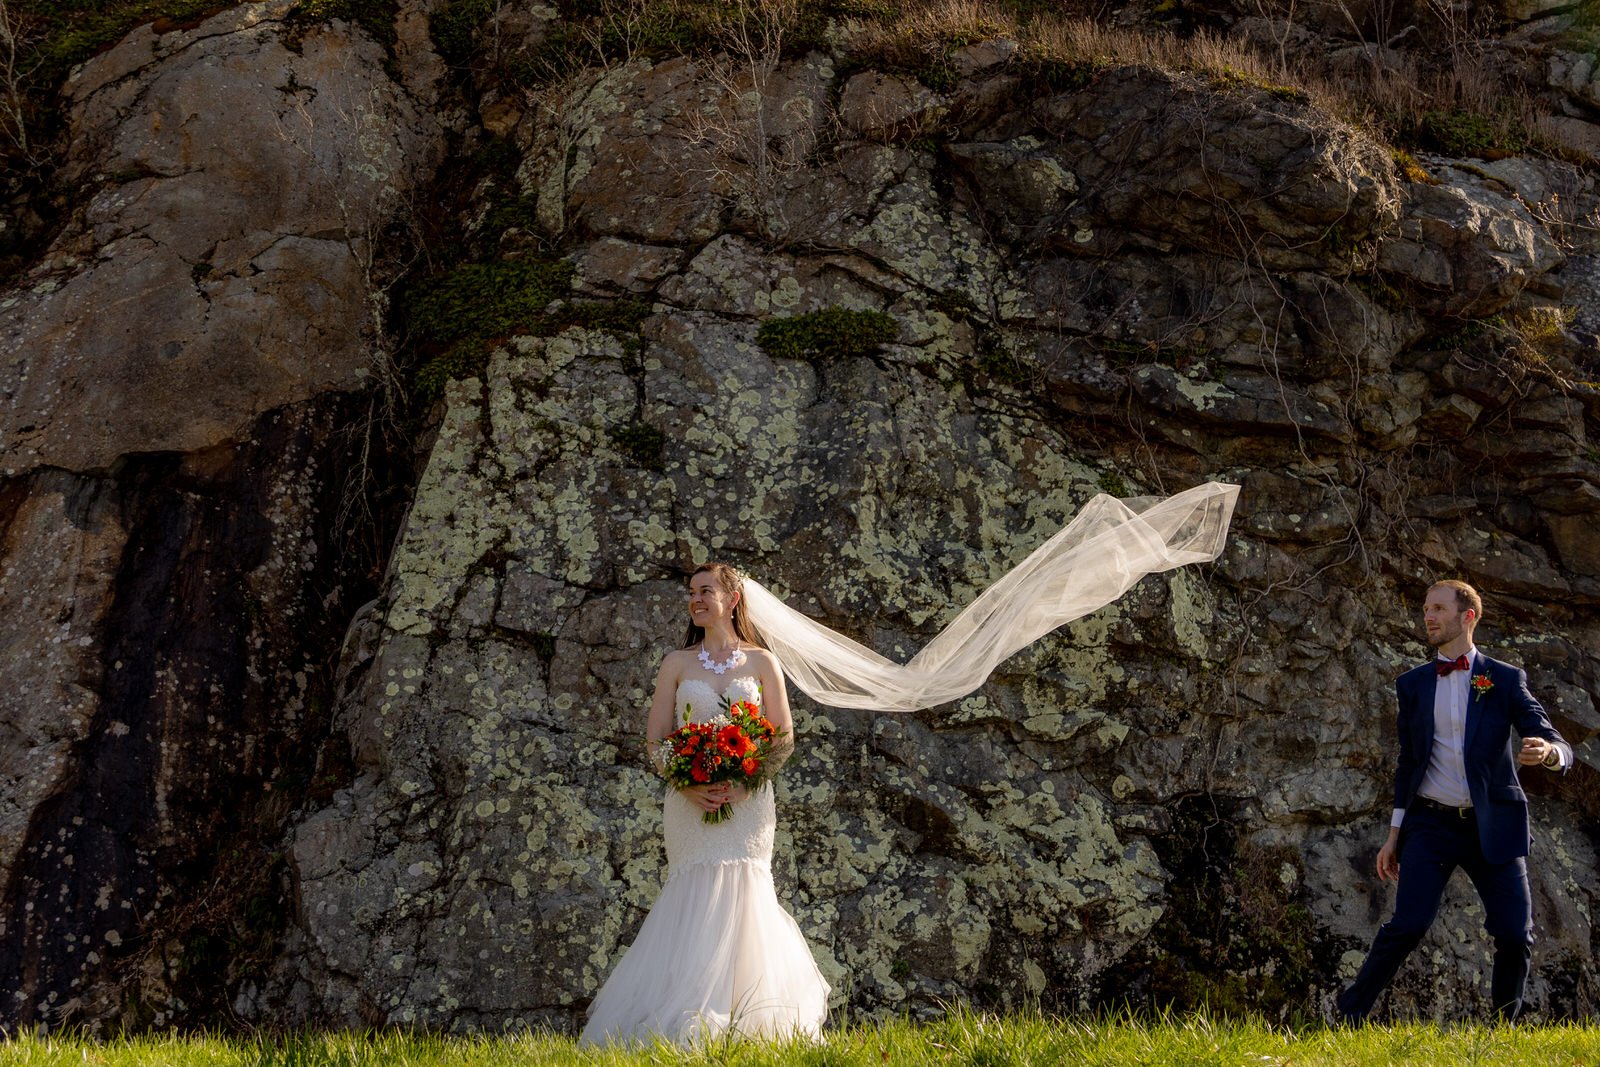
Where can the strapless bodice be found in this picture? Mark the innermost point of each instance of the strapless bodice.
(704, 702)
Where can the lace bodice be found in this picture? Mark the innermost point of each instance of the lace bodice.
(746, 836)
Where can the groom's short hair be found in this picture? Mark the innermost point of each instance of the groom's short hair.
(1466, 596)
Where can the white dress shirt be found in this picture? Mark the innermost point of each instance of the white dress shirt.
(1445, 780)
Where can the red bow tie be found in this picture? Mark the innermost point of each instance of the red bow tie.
(1445, 666)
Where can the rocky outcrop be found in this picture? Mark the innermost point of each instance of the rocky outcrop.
(1467, 248)
(1219, 732)
(219, 268)
(1125, 282)
(176, 441)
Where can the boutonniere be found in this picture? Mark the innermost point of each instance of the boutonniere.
(1481, 684)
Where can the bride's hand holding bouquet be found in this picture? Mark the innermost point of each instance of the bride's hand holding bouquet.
(720, 762)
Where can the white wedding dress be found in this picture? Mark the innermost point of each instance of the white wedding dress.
(717, 951)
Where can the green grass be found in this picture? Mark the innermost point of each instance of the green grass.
(964, 1037)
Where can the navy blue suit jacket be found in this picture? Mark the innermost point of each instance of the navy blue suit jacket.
(1497, 720)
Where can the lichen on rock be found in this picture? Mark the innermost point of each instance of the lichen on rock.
(872, 340)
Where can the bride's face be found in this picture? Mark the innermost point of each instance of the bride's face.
(709, 603)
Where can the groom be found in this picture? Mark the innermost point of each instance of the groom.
(1457, 801)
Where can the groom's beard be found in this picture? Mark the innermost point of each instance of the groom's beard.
(1444, 635)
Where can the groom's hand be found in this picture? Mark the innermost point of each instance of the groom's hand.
(1389, 857)
(1534, 751)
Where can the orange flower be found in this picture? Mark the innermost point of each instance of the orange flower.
(728, 749)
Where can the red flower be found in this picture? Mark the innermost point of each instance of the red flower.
(732, 748)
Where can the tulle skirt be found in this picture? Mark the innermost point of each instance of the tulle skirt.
(716, 953)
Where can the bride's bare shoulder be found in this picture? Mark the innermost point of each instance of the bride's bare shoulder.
(675, 662)
(760, 657)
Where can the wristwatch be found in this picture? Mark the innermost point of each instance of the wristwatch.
(1552, 759)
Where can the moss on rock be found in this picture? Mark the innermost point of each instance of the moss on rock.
(833, 333)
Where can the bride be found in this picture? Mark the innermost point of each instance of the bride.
(718, 952)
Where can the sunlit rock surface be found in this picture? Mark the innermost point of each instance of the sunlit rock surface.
(1221, 730)
(177, 414)
(236, 184)
(235, 785)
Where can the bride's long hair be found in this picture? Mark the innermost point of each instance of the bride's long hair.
(732, 583)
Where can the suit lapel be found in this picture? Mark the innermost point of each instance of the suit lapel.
(1479, 666)
(1425, 697)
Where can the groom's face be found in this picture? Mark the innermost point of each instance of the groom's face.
(1443, 617)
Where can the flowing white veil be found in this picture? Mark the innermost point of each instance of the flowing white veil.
(1102, 552)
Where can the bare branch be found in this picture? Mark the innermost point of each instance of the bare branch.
(15, 70)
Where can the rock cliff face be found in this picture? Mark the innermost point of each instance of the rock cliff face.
(180, 379)
(870, 341)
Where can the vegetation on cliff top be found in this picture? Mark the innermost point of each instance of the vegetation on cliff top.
(1455, 98)
(1452, 99)
(1449, 99)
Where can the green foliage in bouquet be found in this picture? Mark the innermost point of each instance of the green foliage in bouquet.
(740, 745)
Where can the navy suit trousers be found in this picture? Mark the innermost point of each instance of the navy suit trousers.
(1432, 845)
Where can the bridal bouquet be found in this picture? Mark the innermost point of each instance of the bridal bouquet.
(736, 746)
